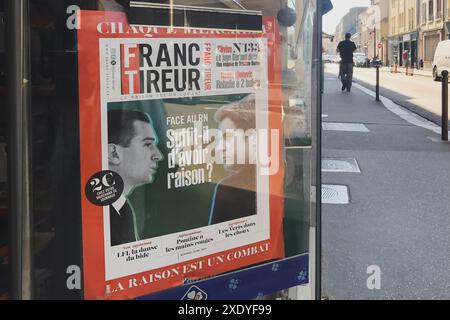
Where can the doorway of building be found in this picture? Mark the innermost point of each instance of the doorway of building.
(414, 53)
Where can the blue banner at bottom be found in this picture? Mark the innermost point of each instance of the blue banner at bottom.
(245, 284)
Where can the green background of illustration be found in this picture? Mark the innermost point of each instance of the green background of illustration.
(159, 210)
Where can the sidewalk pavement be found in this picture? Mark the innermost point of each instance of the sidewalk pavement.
(397, 216)
(416, 72)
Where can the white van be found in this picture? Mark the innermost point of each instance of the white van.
(441, 59)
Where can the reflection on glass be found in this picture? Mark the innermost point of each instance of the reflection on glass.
(57, 239)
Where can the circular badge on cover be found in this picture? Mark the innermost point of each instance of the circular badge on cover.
(104, 188)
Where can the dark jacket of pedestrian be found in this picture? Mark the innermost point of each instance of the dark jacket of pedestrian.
(346, 49)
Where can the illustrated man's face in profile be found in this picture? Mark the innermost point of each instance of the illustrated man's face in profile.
(137, 163)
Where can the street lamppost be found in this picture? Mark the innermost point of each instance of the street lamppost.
(374, 32)
(374, 41)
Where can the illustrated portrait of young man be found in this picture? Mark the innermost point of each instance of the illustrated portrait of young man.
(133, 154)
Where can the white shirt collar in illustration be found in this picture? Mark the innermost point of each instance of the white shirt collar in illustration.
(118, 205)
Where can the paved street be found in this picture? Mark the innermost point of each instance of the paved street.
(418, 93)
(398, 213)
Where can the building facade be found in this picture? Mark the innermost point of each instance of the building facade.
(432, 26)
(328, 44)
(383, 29)
(447, 19)
(373, 28)
(403, 32)
(358, 40)
(339, 32)
(365, 33)
(349, 23)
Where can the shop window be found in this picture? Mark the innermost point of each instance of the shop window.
(424, 13)
(438, 9)
(430, 10)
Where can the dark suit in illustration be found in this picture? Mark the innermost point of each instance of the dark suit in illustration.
(235, 197)
(232, 203)
(121, 225)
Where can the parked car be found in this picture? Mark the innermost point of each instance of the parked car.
(441, 60)
(326, 58)
(335, 59)
(359, 60)
(376, 62)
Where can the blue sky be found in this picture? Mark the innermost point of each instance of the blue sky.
(341, 7)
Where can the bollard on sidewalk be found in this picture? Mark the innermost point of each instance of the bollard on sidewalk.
(445, 105)
(409, 71)
(377, 88)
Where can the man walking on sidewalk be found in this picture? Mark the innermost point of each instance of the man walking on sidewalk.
(346, 49)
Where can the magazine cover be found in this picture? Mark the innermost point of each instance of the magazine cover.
(181, 153)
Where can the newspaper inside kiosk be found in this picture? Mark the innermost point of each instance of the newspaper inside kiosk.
(161, 149)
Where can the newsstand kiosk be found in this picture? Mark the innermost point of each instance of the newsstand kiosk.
(160, 150)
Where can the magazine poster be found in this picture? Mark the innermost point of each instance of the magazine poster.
(180, 153)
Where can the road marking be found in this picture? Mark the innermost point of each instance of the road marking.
(335, 194)
(349, 165)
(324, 116)
(351, 127)
(405, 114)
